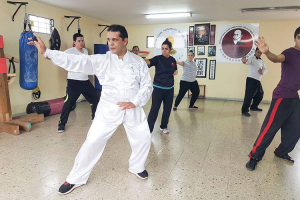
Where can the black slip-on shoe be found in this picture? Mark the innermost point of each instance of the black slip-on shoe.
(286, 157)
(251, 164)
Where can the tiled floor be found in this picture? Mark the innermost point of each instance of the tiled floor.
(203, 157)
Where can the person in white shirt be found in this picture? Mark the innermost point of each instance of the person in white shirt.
(77, 84)
(126, 87)
(254, 90)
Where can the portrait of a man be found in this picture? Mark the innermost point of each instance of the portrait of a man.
(237, 37)
(202, 33)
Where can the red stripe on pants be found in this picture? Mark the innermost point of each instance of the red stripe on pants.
(262, 135)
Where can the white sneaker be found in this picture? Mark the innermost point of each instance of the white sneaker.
(165, 130)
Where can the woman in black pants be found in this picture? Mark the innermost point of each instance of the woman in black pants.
(188, 81)
(163, 84)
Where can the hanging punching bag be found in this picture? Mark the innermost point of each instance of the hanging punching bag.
(28, 62)
(99, 49)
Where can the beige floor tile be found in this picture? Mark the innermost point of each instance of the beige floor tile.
(203, 157)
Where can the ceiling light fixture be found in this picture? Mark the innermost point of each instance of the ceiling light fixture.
(286, 8)
(168, 15)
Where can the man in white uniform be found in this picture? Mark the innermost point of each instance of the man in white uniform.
(77, 84)
(254, 90)
(126, 87)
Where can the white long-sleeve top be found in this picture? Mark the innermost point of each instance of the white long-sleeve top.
(122, 80)
(254, 65)
(76, 75)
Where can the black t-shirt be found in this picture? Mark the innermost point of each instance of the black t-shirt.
(164, 70)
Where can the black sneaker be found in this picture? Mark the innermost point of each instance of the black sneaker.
(246, 114)
(141, 175)
(256, 109)
(175, 108)
(67, 188)
(193, 107)
(251, 164)
(286, 157)
(61, 128)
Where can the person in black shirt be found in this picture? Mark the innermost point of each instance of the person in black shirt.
(163, 84)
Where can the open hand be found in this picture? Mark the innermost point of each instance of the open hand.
(38, 43)
(262, 45)
(126, 105)
(244, 59)
(260, 71)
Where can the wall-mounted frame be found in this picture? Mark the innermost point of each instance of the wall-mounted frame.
(150, 42)
(200, 50)
(211, 50)
(201, 64)
(212, 34)
(191, 35)
(189, 49)
(202, 34)
(212, 69)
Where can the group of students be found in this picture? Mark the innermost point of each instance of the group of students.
(127, 87)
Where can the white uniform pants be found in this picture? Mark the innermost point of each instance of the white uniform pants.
(139, 138)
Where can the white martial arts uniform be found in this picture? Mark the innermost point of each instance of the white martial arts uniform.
(126, 80)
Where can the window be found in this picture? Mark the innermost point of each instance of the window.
(41, 24)
(150, 42)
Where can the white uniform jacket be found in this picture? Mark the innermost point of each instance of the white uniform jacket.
(126, 80)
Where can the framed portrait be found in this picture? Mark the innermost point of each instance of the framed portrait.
(201, 67)
(212, 69)
(191, 35)
(201, 34)
(212, 34)
(211, 50)
(189, 49)
(200, 50)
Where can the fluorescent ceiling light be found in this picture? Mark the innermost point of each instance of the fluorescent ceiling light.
(168, 15)
(286, 8)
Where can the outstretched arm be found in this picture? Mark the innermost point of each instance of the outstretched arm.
(264, 48)
(179, 63)
(74, 63)
(147, 61)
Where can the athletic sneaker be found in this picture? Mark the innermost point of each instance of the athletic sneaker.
(67, 188)
(193, 107)
(256, 109)
(141, 175)
(61, 128)
(165, 130)
(251, 164)
(286, 157)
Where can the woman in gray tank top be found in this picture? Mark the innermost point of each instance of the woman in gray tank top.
(188, 81)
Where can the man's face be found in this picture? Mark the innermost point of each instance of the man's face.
(297, 42)
(135, 51)
(237, 35)
(258, 53)
(190, 57)
(79, 43)
(115, 43)
(201, 32)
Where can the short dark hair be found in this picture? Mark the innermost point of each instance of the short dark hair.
(297, 31)
(192, 52)
(135, 47)
(167, 42)
(76, 35)
(256, 49)
(118, 28)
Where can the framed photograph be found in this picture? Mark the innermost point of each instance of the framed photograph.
(201, 67)
(211, 50)
(212, 69)
(189, 49)
(191, 35)
(212, 34)
(200, 50)
(202, 34)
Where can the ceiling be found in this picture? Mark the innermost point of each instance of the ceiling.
(131, 12)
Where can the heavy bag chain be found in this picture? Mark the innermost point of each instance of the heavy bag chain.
(11, 63)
